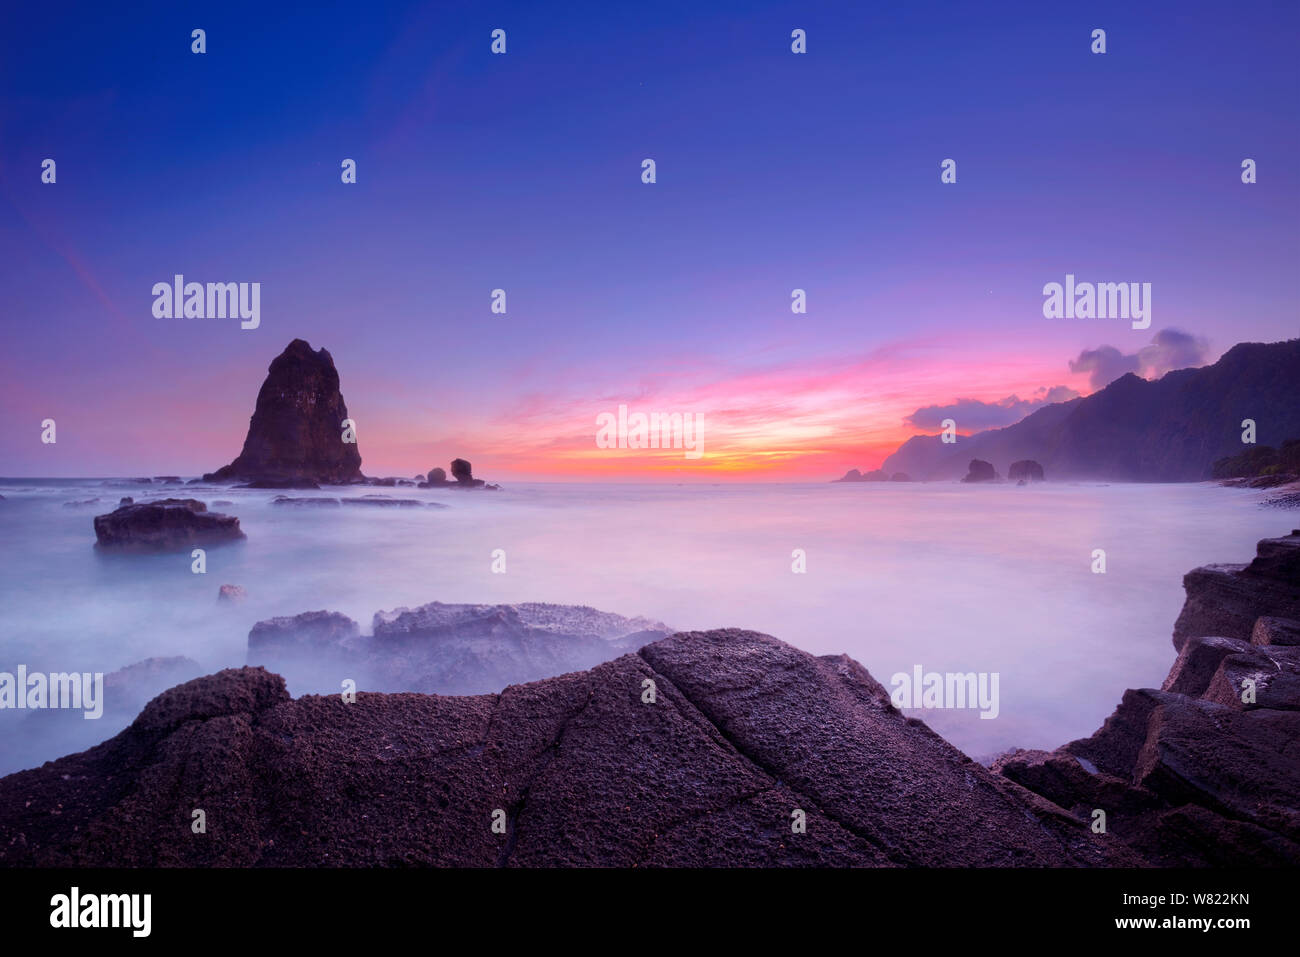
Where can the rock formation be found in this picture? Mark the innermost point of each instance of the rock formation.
(1227, 600)
(462, 475)
(1204, 771)
(743, 732)
(853, 475)
(164, 525)
(296, 434)
(980, 471)
(1026, 470)
(445, 649)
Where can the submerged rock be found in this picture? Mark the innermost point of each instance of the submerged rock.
(384, 501)
(285, 483)
(164, 525)
(444, 648)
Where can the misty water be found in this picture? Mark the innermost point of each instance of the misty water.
(949, 577)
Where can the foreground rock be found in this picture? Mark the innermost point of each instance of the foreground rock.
(296, 435)
(744, 732)
(1226, 600)
(445, 649)
(165, 525)
(1204, 771)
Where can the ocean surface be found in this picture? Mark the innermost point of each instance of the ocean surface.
(947, 577)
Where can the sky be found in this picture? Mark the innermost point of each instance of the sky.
(523, 171)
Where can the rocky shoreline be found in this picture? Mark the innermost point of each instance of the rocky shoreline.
(720, 748)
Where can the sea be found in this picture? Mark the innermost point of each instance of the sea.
(946, 578)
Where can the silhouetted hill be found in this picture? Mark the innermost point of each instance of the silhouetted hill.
(1169, 430)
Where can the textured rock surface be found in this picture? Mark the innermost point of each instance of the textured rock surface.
(445, 649)
(296, 432)
(1205, 771)
(165, 525)
(744, 731)
(1227, 600)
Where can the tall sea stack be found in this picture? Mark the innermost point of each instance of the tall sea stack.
(296, 434)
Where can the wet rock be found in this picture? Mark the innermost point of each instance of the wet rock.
(383, 501)
(1275, 631)
(231, 593)
(309, 641)
(1198, 661)
(285, 483)
(1226, 600)
(164, 525)
(447, 648)
(1258, 677)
